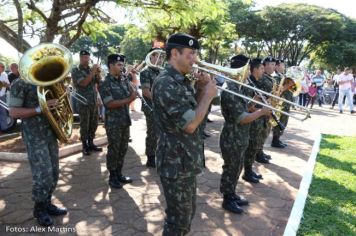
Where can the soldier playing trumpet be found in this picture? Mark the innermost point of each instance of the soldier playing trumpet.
(85, 80)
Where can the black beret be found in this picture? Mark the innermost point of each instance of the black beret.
(238, 61)
(182, 40)
(279, 61)
(256, 61)
(268, 59)
(112, 58)
(84, 52)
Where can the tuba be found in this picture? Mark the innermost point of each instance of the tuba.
(47, 66)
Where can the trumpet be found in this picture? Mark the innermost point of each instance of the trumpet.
(237, 76)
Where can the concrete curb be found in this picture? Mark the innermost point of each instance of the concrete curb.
(299, 203)
(63, 152)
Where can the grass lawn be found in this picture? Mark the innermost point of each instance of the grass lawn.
(331, 204)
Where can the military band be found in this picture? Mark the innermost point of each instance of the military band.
(175, 110)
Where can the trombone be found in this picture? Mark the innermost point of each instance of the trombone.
(234, 73)
(4, 105)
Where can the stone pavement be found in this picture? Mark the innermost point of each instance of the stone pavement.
(138, 208)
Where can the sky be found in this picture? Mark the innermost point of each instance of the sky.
(347, 7)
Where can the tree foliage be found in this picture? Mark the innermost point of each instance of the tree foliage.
(290, 31)
(100, 43)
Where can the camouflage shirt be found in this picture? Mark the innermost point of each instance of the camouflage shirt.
(35, 128)
(178, 154)
(278, 77)
(288, 95)
(147, 76)
(257, 126)
(267, 83)
(234, 109)
(111, 89)
(79, 73)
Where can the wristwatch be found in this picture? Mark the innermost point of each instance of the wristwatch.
(38, 109)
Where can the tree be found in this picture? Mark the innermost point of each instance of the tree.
(290, 31)
(206, 20)
(63, 19)
(105, 40)
(338, 53)
(134, 47)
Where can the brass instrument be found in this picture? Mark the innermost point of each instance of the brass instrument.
(231, 75)
(4, 105)
(46, 66)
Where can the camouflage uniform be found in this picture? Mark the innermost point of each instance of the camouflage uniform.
(267, 86)
(288, 95)
(179, 155)
(147, 77)
(41, 142)
(259, 127)
(234, 138)
(117, 121)
(88, 113)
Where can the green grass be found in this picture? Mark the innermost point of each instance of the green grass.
(331, 204)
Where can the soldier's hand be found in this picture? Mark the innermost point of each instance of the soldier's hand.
(257, 98)
(266, 111)
(210, 89)
(202, 79)
(52, 103)
(133, 95)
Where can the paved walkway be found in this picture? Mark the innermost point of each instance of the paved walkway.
(138, 209)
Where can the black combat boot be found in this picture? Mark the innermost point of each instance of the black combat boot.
(256, 175)
(113, 180)
(268, 157)
(276, 143)
(283, 144)
(249, 177)
(151, 162)
(123, 179)
(53, 209)
(230, 204)
(261, 158)
(240, 201)
(86, 150)
(41, 214)
(93, 147)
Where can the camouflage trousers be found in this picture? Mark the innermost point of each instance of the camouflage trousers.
(118, 143)
(233, 162)
(43, 158)
(277, 132)
(151, 134)
(250, 155)
(180, 195)
(88, 121)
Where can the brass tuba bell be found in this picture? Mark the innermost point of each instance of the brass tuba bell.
(46, 66)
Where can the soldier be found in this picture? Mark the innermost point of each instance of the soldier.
(287, 94)
(84, 80)
(179, 112)
(234, 139)
(256, 127)
(267, 84)
(42, 148)
(147, 76)
(280, 70)
(117, 94)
